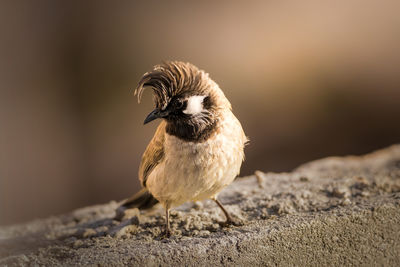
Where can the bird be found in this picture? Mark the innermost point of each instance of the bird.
(198, 147)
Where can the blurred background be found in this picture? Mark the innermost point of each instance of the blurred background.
(306, 79)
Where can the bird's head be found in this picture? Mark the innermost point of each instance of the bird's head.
(186, 98)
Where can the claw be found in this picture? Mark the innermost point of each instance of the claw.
(231, 221)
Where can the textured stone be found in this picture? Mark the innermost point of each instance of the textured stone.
(333, 211)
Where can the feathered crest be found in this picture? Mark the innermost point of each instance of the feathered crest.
(170, 79)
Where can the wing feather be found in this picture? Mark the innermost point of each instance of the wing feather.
(153, 154)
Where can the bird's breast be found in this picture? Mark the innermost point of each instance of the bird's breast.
(195, 171)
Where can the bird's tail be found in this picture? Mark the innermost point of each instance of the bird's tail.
(141, 200)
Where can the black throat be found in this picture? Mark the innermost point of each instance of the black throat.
(191, 132)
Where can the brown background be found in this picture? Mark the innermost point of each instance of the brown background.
(307, 80)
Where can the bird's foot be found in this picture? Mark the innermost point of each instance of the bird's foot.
(167, 233)
(231, 221)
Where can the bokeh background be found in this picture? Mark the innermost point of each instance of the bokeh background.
(306, 79)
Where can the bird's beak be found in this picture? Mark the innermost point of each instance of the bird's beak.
(155, 114)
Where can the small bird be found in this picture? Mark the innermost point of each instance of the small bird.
(197, 149)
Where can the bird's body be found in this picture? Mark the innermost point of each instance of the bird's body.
(197, 149)
(198, 170)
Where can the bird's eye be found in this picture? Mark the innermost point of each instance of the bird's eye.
(179, 104)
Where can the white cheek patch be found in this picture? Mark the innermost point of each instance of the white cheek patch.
(194, 104)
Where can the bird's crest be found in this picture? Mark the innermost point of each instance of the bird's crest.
(172, 78)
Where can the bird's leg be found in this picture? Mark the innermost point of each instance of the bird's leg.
(167, 228)
(229, 219)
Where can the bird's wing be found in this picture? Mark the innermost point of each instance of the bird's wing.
(153, 155)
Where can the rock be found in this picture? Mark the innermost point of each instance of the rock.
(89, 232)
(125, 228)
(77, 243)
(333, 211)
(129, 213)
(345, 202)
(304, 179)
(340, 192)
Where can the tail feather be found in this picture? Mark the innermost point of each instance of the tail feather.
(141, 200)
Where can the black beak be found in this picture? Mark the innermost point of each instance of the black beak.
(155, 114)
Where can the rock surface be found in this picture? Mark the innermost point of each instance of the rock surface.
(333, 211)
